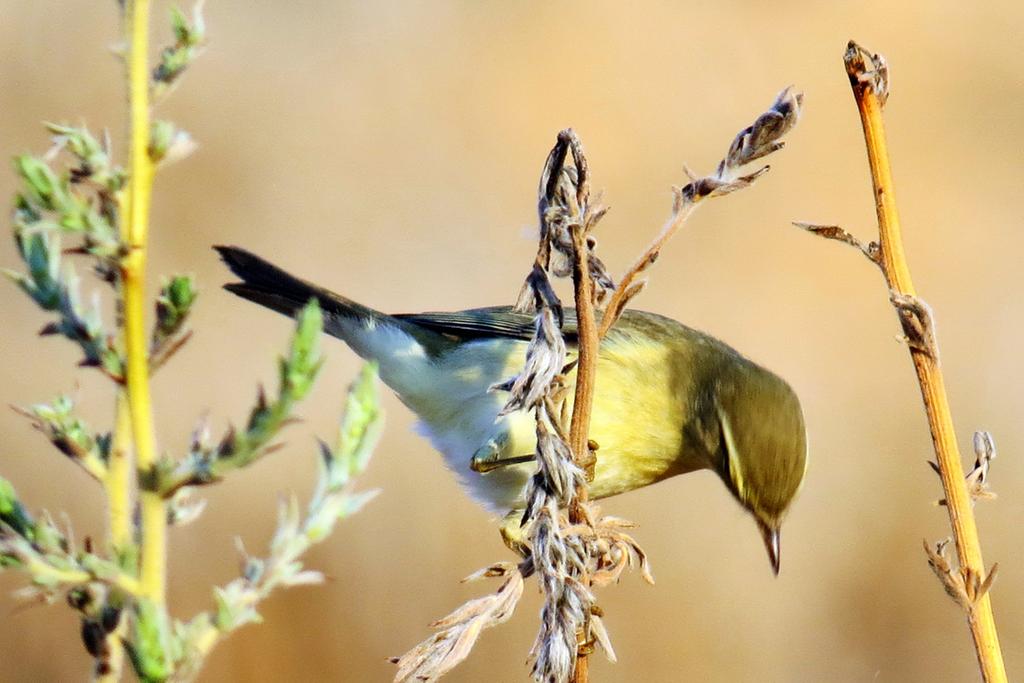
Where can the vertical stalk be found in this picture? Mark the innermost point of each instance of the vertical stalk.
(118, 488)
(133, 266)
(586, 374)
(118, 482)
(926, 364)
(586, 367)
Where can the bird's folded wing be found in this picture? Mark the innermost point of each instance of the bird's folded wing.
(477, 323)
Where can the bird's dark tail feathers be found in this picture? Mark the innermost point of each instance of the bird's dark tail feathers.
(403, 348)
(266, 284)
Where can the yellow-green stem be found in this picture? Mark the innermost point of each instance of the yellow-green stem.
(929, 374)
(43, 570)
(118, 485)
(118, 481)
(139, 119)
(133, 270)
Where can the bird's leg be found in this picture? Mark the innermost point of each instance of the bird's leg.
(490, 456)
(488, 465)
(512, 533)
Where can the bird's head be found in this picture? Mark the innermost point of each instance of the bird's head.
(762, 448)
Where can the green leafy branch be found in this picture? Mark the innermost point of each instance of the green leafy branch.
(71, 435)
(49, 555)
(56, 289)
(189, 36)
(334, 499)
(173, 305)
(207, 463)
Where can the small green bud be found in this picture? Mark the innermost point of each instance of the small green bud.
(361, 423)
(181, 292)
(160, 136)
(230, 615)
(175, 58)
(40, 180)
(185, 34)
(300, 368)
(80, 143)
(174, 303)
(24, 213)
(169, 144)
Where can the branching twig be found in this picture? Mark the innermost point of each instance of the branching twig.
(333, 500)
(758, 140)
(71, 436)
(49, 554)
(836, 232)
(869, 79)
(443, 651)
(173, 305)
(206, 463)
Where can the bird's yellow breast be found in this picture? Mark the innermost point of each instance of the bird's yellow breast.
(637, 418)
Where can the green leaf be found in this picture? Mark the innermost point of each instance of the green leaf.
(181, 291)
(80, 143)
(43, 185)
(186, 34)
(179, 25)
(12, 512)
(173, 305)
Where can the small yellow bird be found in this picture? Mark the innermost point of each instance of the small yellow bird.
(668, 399)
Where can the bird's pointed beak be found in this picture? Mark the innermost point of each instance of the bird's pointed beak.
(771, 544)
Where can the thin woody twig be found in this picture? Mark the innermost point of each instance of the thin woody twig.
(759, 139)
(586, 366)
(869, 80)
(586, 374)
(836, 232)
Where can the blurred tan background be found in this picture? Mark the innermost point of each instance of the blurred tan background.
(391, 151)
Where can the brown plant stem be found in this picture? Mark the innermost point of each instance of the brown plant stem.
(586, 373)
(588, 340)
(867, 79)
(625, 290)
(586, 366)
